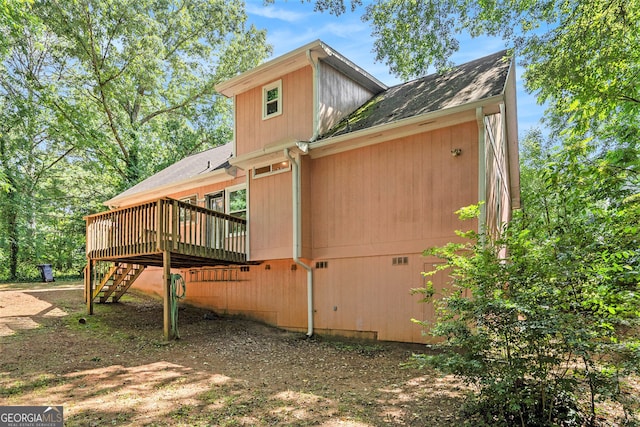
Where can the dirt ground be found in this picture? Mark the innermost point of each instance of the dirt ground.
(113, 368)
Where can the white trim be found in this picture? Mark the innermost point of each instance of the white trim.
(189, 197)
(270, 153)
(234, 147)
(373, 135)
(247, 240)
(278, 101)
(315, 122)
(231, 189)
(295, 60)
(211, 195)
(271, 171)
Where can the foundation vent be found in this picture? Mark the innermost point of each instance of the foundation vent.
(322, 264)
(217, 274)
(400, 260)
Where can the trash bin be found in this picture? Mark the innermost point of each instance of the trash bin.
(46, 273)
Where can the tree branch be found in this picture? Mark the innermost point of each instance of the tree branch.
(103, 97)
(185, 102)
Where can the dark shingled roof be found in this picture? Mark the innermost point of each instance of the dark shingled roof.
(197, 164)
(473, 81)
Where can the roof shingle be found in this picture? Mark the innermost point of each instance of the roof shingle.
(473, 81)
(189, 167)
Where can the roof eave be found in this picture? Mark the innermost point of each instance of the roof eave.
(272, 152)
(292, 61)
(219, 175)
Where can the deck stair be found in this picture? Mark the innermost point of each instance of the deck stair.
(117, 281)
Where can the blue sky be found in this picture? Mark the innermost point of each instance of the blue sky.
(291, 24)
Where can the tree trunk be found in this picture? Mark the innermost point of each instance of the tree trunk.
(12, 234)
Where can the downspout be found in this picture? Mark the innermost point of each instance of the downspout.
(297, 234)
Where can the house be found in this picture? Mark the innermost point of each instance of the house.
(315, 216)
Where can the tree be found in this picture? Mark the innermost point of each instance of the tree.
(147, 70)
(34, 137)
(96, 95)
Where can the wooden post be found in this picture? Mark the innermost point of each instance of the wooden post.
(88, 285)
(169, 333)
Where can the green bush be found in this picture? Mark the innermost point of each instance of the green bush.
(546, 331)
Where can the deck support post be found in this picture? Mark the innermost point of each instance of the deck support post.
(169, 333)
(88, 286)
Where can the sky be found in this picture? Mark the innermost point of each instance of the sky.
(291, 24)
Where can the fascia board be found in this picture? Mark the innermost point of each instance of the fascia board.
(271, 152)
(265, 72)
(154, 193)
(295, 60)
(511, 114)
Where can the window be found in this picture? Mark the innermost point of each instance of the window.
(272, 100)
(215, 201)
(283, 166)
(187, 214)
(237, 201)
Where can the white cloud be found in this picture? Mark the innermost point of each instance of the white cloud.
(272, 12)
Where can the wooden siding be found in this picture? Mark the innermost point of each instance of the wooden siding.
(375, 302)
(360, 210)
(200, 190)
(397, 196)
(272, 292)
(370, 294)
(497, 171)
(338, 96)
(295, 122)
(270, 216)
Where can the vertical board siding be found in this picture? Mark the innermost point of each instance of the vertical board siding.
(498, 189)
(338, 96)
(400, 191)
(276, 295)
(363, 295)
(369, 294)
(295, 123)
(271, 234)
(360, 209)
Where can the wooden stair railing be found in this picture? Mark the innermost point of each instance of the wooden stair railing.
(117, 281)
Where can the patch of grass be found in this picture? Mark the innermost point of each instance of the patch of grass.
(21, 387)
(30, 285)
(81, 321)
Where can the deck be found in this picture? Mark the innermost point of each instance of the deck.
(166, 233)
(141, 234)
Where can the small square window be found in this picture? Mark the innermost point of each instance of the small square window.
(272, 100)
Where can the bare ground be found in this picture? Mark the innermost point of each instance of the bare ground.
(114, 369)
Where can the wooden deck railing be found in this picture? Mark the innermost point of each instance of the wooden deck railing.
(166, 225)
